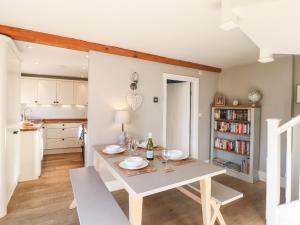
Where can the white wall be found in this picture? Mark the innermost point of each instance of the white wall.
(178, 116)
(9, 120)
(109, 78)
(274, 80)
(52, 112)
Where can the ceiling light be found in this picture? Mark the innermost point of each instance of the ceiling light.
(36, 63)
(87, 56)
(29, 47)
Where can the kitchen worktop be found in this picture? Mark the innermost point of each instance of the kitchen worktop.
(65, 120)
(38, 123)
(35, 127)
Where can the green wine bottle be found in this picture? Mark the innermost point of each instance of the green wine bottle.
(150, 148)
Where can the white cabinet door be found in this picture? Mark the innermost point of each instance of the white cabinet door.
(65, 92)
(29, 91)
(62, 133)
(81, 93)
(47, 92)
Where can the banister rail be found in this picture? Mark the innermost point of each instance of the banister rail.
(293, 122)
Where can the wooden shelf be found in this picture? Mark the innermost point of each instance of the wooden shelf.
(232, 121)
(235, 107)
(222, 132)
(253, 125)
(232, 152)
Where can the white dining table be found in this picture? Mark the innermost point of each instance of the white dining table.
(146, 184)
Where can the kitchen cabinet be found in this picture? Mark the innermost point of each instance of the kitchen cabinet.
(31, 154)
(53, 91)
(46, 92)
(29, 91)
(62, 135)
(81, 93)
(65, 92)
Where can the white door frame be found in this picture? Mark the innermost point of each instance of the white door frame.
(194, 109)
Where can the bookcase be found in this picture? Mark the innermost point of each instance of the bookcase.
(235, 134)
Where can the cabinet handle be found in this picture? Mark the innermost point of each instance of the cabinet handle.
(15, 132)
(35, 101)
(63, 129)
(54, 102)
(63, 139)
(63, 125)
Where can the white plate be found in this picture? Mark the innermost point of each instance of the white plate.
(117, 152)
(141, 166)
(181, 158)
(175, 154)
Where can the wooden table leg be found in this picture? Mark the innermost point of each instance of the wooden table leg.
(98, 165)
(205, 188)
(135, 209)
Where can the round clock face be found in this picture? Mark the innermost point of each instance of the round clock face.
(235, 102)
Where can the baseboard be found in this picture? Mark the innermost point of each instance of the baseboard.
(262, 176)
(114, 185)
(61, 151)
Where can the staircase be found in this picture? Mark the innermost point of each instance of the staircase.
(271, 24)
(278, 211)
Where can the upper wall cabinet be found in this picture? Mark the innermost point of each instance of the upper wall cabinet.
(81, 93)
(65, 92)
(52, 91)
(29, 91)
(47, 92)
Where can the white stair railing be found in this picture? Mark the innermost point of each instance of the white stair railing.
(273, 166)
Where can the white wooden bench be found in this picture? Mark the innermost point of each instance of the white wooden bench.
(95, 204)
(221, 195)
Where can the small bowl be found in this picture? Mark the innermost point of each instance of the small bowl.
(175, 154)
(112, 148)
(133, 161)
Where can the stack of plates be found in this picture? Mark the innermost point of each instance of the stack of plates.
(133, 163)
(113, 149)
(176, 155)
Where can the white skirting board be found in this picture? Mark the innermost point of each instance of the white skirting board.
(262, 176)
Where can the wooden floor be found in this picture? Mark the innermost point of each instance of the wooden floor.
(45, 201)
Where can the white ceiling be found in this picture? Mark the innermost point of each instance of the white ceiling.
(272, 25)
(47, 60)
(187, 30)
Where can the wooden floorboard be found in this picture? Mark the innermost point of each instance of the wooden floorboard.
(46, 201)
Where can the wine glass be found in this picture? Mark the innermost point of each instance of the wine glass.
(166, 155)
(134, 147)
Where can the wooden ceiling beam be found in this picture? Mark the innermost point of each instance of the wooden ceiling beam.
(80, 45)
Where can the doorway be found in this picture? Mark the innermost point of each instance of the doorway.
(180, 117)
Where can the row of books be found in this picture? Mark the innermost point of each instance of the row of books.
(232, 127)
(241, 147)
(232, 114)
(245, 168)
(227, 164)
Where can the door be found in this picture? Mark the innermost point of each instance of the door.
(46, 92)
(178, 116)
(81, 93)
(65, 92)
(29, 91)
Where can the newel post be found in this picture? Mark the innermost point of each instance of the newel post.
(273, 171)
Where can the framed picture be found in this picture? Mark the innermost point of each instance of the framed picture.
(298, 93)
(220, 100)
